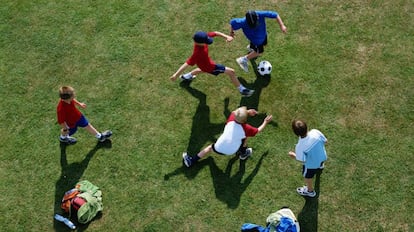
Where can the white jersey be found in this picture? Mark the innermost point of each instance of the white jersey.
(230, 141)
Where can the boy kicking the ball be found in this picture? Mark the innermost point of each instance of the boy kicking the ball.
(70, 118)
(253, 26)
(234, 137)
(201, 58)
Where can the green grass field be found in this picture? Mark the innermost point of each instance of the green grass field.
(344, 66)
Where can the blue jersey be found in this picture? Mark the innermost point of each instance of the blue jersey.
(311, 149)
(256, 35)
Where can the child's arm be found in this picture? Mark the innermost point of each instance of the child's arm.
(292, 154)
(179, 71)
(227, 37)
(281, 24)
(81, 104)
(265, 122)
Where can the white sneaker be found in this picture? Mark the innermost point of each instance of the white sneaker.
(187, 79)
(303, 191)
(187, 160)
(243, 63)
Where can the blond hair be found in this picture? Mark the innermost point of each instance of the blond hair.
(241, 114)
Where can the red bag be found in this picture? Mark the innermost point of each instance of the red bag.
(67, 199)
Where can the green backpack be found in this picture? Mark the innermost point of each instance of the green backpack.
(86, 199)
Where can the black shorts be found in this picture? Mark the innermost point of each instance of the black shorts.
(259, 48)
(310, 173)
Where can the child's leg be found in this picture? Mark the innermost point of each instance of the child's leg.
(192, 74)
(308, 182)
(253, 55)
(204, 152)
(230, 72)
(92, 131)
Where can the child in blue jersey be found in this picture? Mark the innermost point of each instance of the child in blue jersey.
(254, 28)
(310, 150)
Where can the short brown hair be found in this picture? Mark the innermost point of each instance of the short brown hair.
(299, 127)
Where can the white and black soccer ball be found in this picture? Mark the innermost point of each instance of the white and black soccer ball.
(264, 68)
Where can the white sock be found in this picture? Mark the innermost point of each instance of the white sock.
(98, 136)
(64, 136)
(188, 76)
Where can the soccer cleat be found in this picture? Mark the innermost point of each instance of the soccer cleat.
(187, 160)
(242, 61)
(68, 140)
(247, 92)
(303, 191)
(247, 154)
(105, 135)
(187, 79)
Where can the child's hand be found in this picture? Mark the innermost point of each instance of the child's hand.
(229, 38)
(268, 118)
(283, 28)
(83, 105)
(292, 154)
(252, 112)
(173, 77)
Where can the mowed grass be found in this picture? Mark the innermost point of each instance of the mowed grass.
(345, 67)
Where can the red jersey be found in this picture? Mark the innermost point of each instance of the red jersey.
(68, 113)
(249, 130)
(201, 58)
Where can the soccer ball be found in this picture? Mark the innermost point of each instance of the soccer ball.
(264, 68)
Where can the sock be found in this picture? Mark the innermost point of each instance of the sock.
(188, 76)
(241, 88)
(64, 136)
(98, 135)
(245, 59)
(195, 158)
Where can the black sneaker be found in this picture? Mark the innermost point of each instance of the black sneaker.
(247, 154)
(105, 135)
(187, 160)
(247, 92)
(68, 140)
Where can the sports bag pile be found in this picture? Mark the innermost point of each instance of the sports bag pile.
(85, 199)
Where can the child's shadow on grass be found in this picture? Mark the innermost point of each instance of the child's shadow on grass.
(228, 188)
(258, 85)
(70, 175)
(202, 130)
(308, 217)
(252, 102)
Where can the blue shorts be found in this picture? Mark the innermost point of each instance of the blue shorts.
(83, 122)
(218, 69)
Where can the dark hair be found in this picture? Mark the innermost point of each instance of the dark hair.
(299, 127)
(251, 18)
(65, 96)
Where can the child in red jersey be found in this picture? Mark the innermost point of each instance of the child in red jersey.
(70, 118)
(200, 57)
